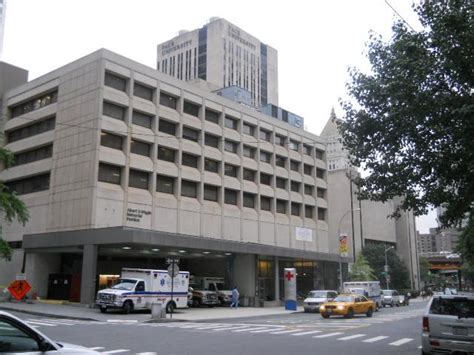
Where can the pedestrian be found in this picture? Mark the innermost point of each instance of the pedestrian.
(235, 298)
(423, 294)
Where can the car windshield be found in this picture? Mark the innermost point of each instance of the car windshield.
(457, 306)
(344, 298)
(124, 284)
(387, 292)
(317, 294)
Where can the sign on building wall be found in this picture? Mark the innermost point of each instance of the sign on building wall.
(304, 234)
(138, 216)
(289, 275)
(343, 245)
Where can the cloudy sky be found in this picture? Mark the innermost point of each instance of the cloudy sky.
(316, 40)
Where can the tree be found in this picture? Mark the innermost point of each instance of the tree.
(11, 207)
(424, 270)
(411, 122)
(361, 270)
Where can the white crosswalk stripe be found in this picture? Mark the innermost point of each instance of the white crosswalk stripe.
(248, 329)
(350, 337)
(401, 342)
(373, 340)
(286, 331)
(115, 351)
(306, 333)
(264, 330)
(230, 328)
(328, 335)
(30, 322)
(97, 348)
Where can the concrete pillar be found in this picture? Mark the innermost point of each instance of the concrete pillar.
(244, 275)
(89, 272)
(277, 279)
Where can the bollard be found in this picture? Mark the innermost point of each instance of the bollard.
(157, 310)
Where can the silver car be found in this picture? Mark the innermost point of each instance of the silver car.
(18, 337)
(316, 298)
(448, 325)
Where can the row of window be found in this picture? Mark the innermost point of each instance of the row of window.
(166, 184)
(31, 130)
(33, 155)
(34, 104)
(30, 184)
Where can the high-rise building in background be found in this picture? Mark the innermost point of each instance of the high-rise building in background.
(3, 7)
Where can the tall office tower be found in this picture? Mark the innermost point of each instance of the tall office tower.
(3, 7)
(225, 56)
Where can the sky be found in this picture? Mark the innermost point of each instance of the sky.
(317, 41)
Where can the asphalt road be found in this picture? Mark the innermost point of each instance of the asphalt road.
(390, 331)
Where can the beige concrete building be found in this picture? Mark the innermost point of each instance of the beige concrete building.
(121, 165)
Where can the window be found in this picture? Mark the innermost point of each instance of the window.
(190, 160)
(230, 197)
(31, 130)
(321, 214)
(321, 192)
(230, 146)
(142, 119)
(308, 189)
(295, 186)
(211, 140)
(281, 183)
(168, 100)
(34, 104)
(212, 116)
(111, 140)
(308, 169)
(248, 152)
(138, 179)
(294, 165)
(231, 122)
(280, 140)
(231, 170)
(143, 91)
(308, 211)
(166, 154)
(265, 135)
(189, 189)
(211, 165)
(293, 145)
(265, 203)
(167, 127)
(110, 173)
(115, 81)
(280, 161)
(114, 111)
(295, 209)
(248, 129)
(191, 134)
(265, 179)
(319, 154)
(249, 174)
(211, 193)
(249, 200)
(265, 157)
(281, 206)
(165, 184)
(307, 149)
(320, 173)
(191, 108)
(141, 148)
(33, 155)
(30, 184)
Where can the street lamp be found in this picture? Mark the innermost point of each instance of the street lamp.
(387, 276)
(339, 236)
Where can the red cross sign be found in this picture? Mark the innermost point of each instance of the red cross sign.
(289, 275)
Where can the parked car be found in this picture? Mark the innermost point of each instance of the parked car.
(390, 298)
(448, 325)
(17, 336)
(347, 305)
(316, 298)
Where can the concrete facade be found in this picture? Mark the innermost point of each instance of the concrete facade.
(3, 10)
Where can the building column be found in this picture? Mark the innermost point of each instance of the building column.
(89, 273)
(277, 279)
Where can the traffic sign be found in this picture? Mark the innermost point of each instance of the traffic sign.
(19, 288)
(173, 270)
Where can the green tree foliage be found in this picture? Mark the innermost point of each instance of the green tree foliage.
(410, 123)
(399, 276)
(424, 270)
(361, 270)
(466, 241)
(11, 207)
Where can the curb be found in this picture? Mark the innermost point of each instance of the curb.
(44, 314)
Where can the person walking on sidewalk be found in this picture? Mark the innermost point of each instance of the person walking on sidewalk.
(235, 298)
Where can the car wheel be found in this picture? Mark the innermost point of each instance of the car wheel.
(170, 307)
(196, 302)
(325, 315)
(306, 311)
(103, 309)
(127, 307)
(350, 313)
(391, 304)
(369, 312)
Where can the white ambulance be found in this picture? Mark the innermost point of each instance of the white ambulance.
(139, 288)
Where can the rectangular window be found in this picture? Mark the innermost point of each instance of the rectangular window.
(321, 214)
(321, 192)
(308, 211)
(142, 119)
(293, 145)
(143, 91)
(168, 100)
(295, 209)
(231, 122)
(110, 173)
(211, 193)
(211, 165)
(249, 200)
(280, 140)
(114, 111)
(167, 127)
(165, 184)
(295, 186)
(115, 81)
(34, 104)
(308, 169)
(212, 116)
(249, 174)
(231, 170)
(211, 140)
(141, 148)
(191, 108)
(111, 140)
(265, 157)
(308, 190)
(319, 154)
(230, 197)
(189, 188)
(166, 154)
(190, 160)
(33, 155)
(281, 183)
(307, 149)
(294, 165)
(265, 135)
(191, 134)
(138, 179)
(248, 129)
(281, 206)
(265, 179)
(280, 161)
(31, 130)
(320, 173)
(30, 184)
(265, 203)
(230, 146)
(248, 152)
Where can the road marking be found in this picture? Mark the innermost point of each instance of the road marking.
(373, 340)
(230, 328)
(97, 348)
(248, 329)
(287, 331)
(115, 351)
(352, 337)
(39, 323)
(328, 335)
(306, 333)
(148, 353)
(122, 321)
(264, 330)
(215, 326)
(401, 341)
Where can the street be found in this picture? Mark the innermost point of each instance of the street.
(390, 331)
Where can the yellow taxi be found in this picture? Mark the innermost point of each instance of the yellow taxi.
(347, 305)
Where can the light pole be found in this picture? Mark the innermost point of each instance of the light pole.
(387, 276)
(339, 238)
